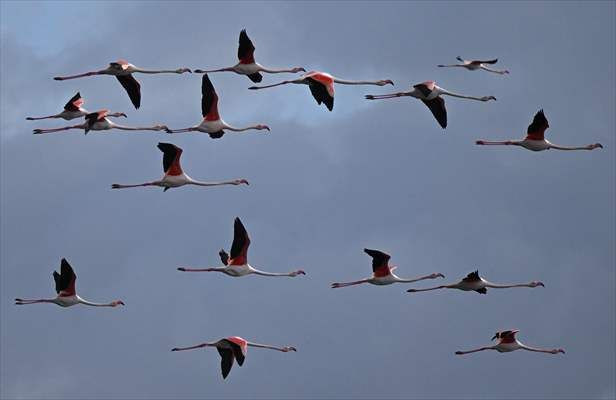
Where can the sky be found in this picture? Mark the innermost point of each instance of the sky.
(324, 185)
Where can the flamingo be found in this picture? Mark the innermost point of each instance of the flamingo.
(507, 342)
(321, 86)
(247, 64)
(174, 176)
(535, 140)
(65, 288)
(99, 121)
(474, 65)
(123, 71)
(237, 265)
(476, 283)
(233, 348)
(212, 124)
(382, 272)
(430, 94)
(72, 110)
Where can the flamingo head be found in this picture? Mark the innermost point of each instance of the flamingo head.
(480, 142)
(556, 351)
(488, 98)
(536, 283)
(239, 182)
(161, 128)
(286, 349)
(116, 303)
(595, 146)
(298, 272)
(262, 127)
(385, 82)
(182, 70)
(298, 69)
(437, 275)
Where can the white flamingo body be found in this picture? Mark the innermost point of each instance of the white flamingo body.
(535, 138)
(236, 264)
(508, 343)
(65, 288)
(174, 175)
(431, 95)
(382, 272)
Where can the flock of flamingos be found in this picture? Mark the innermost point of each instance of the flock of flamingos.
(235, 263)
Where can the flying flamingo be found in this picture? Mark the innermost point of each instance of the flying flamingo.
(233, 348)
(474, 65)
(174, 176)
(247, 64)
(535, 140)
(99, 121)
(65, 287)
(321, 86)
(507, 342)
(212, 124)
(72, 110)
(382, 272)
(237, 264)
(123, 71)
(473, 282)
(430, 94)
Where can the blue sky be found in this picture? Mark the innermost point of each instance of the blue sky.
(324, 186)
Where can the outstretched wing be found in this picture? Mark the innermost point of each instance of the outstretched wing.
(320, 94)
(241, 241)
(224, 257)
(487, 61)
(65, 280)
(380, 262)
(472, 277)
(209, 99)
(425, 87)
(245, 51)
(171, 158)
(536, 129)
(226, 361)
(132, 87)
(74, 103)
(256, 77)
(437, 107)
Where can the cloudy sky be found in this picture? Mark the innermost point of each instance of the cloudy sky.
(324, 186)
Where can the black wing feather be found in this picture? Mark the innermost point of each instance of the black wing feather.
(132, 87)
(539, 124)
(226, 361)
(472, 277)
(319, 92)
(208, 95)
(169, 153)
(256, 77)
(224, 257)
(240, 238)
(379, 258)
(64, 278)
(70, 106)
(246, 47)
(437, 107)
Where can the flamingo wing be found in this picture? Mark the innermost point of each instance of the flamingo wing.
(487, 61)
(92, 118)
(241, 241)
(132, 87)
(224, 257)
(380, 262)
(437, 107)
(238, 353)
(425, 88)
(74, 103)
(246, 50)
(226, 360)
(536, 129)
(209, 100)
(171, 158)
(65, 280)
(472, 277)
(320, 93)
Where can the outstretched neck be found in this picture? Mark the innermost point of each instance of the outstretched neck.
(89, 303)
(265, 346)
(347, 82)
(448, 93)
